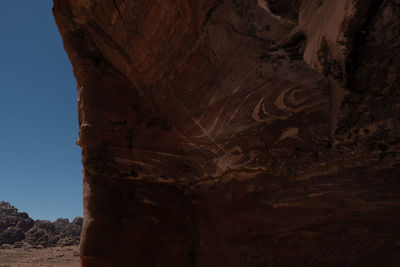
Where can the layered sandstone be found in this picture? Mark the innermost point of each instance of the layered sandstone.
(237, 133)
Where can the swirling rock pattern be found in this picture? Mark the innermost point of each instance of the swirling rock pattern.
(242, 133)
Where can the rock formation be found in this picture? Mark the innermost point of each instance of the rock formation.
(18, 227)
(237, 133)
(13, 224)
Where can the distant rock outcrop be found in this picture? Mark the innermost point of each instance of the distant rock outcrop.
(19, 227)
(13, 224)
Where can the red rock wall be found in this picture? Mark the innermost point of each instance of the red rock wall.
(237, 133)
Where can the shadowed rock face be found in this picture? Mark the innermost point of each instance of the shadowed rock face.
(237, 133)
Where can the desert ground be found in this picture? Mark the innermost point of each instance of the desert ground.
(33, 257)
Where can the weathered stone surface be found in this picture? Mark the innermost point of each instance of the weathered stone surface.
(241, 133)
(13, 224)
(58, 233)
(18, 229)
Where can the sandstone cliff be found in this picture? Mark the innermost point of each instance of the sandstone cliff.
(237, 133)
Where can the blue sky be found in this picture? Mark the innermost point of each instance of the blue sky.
(40, 164)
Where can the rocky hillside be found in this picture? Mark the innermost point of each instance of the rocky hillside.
(17, 228)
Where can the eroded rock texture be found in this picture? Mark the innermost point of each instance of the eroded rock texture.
(18, 229)
(237, 133)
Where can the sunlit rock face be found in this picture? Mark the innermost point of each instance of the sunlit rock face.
(237, 133)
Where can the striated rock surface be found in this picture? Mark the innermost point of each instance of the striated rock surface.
(237, 133)
(18, 229)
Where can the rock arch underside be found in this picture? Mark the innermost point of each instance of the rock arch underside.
(237, 133)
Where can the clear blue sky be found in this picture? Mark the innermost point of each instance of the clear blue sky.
(40, 164)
